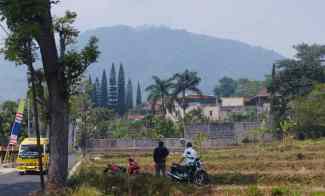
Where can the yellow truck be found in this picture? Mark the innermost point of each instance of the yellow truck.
(27, 160)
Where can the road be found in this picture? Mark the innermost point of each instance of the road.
(13, 184)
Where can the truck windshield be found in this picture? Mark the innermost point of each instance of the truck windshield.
(28, 150)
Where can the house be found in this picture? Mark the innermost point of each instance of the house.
(231, 105)
(208, 105)
(261, 101)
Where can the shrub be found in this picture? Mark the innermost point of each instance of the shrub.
(280, 191)
(86, 191)
(254, 191)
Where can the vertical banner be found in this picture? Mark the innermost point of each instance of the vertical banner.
(15, 130)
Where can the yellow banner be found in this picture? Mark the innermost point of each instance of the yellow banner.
(21, 106)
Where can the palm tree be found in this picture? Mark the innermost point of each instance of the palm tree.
(160, 90)
(186, 81)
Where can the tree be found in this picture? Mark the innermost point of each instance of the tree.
(139, 96)
(247, 88)
(8, 111)
(159, 91)
(92, 91)
(97, 93)
(34, 18)
(121, 91)
(226, 87)
(82, 114)
(113, 89)
(129, 95)
(104, 91)
(20, 48)
(292, 78)
(196, 116)
(309, 113)
(186, 81)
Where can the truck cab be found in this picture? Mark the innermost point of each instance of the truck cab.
(27, 160)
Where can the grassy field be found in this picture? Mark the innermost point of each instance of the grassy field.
(297, 168)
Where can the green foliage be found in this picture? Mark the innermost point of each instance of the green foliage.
(248, 88)
(292, 78)
(254, 191)
(92, 91)
(226, 87)
(77, 62)
(280, 191)
(286, 127)
(120, 129)
(113, 92)
(260, 131)
(67, 33)
(158, 127)
(121, 92)
(91, 121)
(242, 87)
(199, 140)
(86, 191)
(143, 184)
(309, 113)
(184, 82)
(159, 91)
(8, 111)
(139, 95)
(104, 90)
(129, 95)
(195, 116)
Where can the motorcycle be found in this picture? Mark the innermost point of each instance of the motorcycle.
(194, 173)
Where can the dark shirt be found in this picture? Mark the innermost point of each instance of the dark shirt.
(160, 154)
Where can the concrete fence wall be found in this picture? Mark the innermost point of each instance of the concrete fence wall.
(219, 135)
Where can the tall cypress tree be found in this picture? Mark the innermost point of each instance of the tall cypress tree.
(129, 95)
(112, 100)
(92, 91)
(97, 93)
(139, 95)
(104, 90)
(121, 91)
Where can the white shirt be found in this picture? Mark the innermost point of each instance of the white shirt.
(190, 155)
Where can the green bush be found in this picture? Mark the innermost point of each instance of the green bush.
(280, 191)
(86, 191)
(254, 191)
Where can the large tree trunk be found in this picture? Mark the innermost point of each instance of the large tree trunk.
(57, 103)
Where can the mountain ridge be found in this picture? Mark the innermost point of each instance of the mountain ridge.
(163, 51)
(159, 50)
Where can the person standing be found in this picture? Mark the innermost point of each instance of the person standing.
(160, 155)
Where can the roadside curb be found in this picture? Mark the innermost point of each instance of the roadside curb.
(74, 168)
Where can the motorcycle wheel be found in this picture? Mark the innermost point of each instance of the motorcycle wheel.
(201, 178)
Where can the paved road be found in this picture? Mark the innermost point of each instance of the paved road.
(12, 184)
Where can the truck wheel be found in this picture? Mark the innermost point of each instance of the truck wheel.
(21, 173)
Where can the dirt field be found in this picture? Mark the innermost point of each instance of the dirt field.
(297, 168)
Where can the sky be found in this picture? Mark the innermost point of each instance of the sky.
(273, 24)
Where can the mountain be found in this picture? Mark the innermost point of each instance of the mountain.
(151, 50)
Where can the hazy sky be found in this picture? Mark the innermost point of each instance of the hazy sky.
(274, 24)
